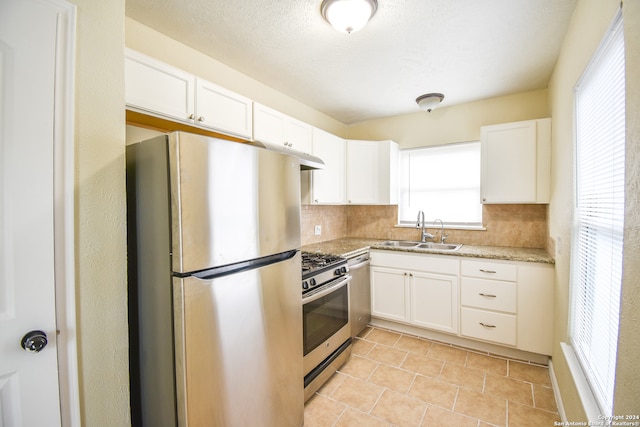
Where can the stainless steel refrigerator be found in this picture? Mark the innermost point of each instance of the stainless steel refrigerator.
(214, 284)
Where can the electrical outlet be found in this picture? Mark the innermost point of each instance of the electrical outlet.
(317, 230)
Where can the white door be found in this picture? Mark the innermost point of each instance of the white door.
(29, 393)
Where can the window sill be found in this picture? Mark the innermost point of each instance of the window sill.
(587, 398)
(447, 227)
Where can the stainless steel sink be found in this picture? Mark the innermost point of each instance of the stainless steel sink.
(418, 245)
(440, 246)
(400, 244)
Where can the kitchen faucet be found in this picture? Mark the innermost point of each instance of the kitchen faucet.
(442, 236)
(420, 223)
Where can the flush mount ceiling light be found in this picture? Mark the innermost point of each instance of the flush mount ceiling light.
(429, 101)
(348, 16)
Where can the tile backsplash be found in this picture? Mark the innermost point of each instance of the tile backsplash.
(331, 219)
(506, 225)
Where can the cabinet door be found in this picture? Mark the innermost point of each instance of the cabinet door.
(268, 124)
(434, 301)
(157, 88)
(389, 294)
(362, 172)
(328, 184)
(509, 163)
(220, 109)
(298, 135)
(535, 307)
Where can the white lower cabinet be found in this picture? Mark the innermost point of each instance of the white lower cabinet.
(535, 307)
(488, 301)
(499, 302)
(415, 289)
(434, 301)
(390, 294)
(508, 303)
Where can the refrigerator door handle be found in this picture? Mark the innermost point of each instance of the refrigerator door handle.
(238, 267)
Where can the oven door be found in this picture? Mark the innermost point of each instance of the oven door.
(325, 321)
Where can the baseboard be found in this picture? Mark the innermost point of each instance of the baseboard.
(556, 392)
(480, 346)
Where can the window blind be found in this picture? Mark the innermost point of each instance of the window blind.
(596, 272)
(443, 181)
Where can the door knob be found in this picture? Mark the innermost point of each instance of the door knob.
(34, 341)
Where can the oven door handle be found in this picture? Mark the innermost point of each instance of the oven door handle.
(328, 290)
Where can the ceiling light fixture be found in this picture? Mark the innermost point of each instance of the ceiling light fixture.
(429, 101)
(348, 16)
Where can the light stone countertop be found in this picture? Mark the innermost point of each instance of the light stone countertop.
(348, 246)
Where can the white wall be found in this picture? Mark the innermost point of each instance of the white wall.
(589, 23)
(100, 214)
(457, 123)
(627, 391)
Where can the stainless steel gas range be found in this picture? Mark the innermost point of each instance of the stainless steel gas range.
(326, 326)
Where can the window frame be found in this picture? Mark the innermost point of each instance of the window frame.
(588, 229)
(404, 192)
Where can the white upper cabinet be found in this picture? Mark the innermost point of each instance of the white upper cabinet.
(516, 162)
(155, 88)
(372, 172)
(268, 124)
(274, 127)
(220, 109)
(328, 184)
(298, 135)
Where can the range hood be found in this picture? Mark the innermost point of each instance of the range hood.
(307, 161)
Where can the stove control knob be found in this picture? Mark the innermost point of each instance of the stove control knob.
(337, 272)
(305, 285)
(312, 282)
(343, 270)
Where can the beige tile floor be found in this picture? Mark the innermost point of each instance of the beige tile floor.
(394, 379)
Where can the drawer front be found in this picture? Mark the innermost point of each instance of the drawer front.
(489, 270)
(488, 326)
(488, 294)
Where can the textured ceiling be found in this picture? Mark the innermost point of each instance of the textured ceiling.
(466, 49)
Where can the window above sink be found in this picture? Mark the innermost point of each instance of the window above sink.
(444, 182)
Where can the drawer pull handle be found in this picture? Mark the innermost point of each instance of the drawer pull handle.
(487, 326)
(487, 295)
(488, 271)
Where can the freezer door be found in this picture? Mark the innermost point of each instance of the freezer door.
(230, 202)
(239, 348)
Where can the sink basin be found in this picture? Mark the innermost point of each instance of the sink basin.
(400, 244)
(418, 245)
(440, 246)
